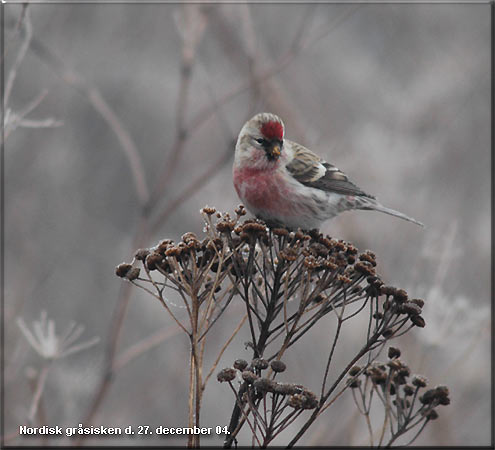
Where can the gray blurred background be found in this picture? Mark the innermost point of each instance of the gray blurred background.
(150, 100)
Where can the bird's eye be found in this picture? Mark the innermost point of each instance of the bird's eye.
(260, 141)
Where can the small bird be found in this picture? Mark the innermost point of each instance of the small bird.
(285, 184)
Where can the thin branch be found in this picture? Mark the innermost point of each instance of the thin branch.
(143, 346)
(38, 392)
(280, 64)
(193, 26)
(9, 84)
(229, 340)
(96, 100)
(195, 185)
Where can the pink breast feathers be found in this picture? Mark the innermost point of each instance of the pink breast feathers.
(261, 190)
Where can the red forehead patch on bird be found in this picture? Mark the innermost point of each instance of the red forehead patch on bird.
(272, 130)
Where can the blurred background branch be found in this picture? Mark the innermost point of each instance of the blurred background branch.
(151, 100)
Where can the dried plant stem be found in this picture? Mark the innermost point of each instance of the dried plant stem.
(323, 400)
(224, 347)
(9, 83)
(191, 398)
(114, 336)
(181, 132)
(38, 392)
(332, 350)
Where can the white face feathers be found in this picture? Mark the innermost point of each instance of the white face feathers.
(260, 142)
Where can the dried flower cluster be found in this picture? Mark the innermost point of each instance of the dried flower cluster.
(267, 406)
(400, 394)
(288, 281)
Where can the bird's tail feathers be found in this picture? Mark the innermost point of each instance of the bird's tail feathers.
(373, 204)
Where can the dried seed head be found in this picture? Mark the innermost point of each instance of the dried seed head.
(253, 227)
(419, 381)
(428, 397)
(133, 273)
(330, 264)
(264, 385)
(315, 234)
(400, 296)
(188, 236)
(327, 242)
(394, 364)
(191, 240)
(408, 390)
(411, 309)
(259, 363)
(175, 250)
(418, 321)
(240, 364)
(343, 279)
(354, 383)
(208, 210)
(372, 279)
(163, 245)
(442, 393)
(141, 254)
(122, 269)
(282, 388)
(318, 249)
(249, 376)
(365, 268)
(288, 254)
(377, 374)
(296, 401)
(241, 211)
(225, 226)
(354, 370)
(388, 333)
(368, 257)
(287, 388)
(246, 237)
(310, 401)
(418, 301)
(444, 401)
(351, 250)
(311, 263)
(432, 415)
(227, 374)
(393, 352)
(153, 260)
(280, 231)
(341, 260)
(399, 379)
(278, 366)
(299, 235)
(388, 290)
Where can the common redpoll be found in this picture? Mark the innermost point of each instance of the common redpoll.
(284, 183)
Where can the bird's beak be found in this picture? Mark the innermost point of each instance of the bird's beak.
(276, 150)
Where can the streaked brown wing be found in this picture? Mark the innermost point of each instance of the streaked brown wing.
(312, 171)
